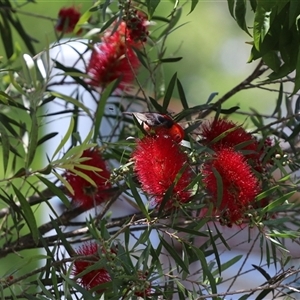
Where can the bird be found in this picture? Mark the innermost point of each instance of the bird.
(159, 123)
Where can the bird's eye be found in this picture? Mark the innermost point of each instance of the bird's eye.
(161, 119)
(165, 121)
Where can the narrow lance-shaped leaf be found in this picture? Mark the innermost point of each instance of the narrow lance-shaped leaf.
(101, 107)
(138, 198)
(297, 77)
(206, 271)
(5, 147)
(73, 101)
(27, 214)
(297, 109)
(6, 34)
(65, 138)
(193, 5)
(174, 255)
(169, 92)
(56, 191)
(182, 95)
(33, 139)
(279, 101)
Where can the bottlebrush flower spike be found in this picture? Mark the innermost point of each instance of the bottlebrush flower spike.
(143, 288)
(113, 58)
(240, 186)
(216, 136)
(86, 194)
(94, 277)
(235, 135)
(67, 19)
(158, 162)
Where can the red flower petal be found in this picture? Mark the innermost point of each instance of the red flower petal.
(240, 186)
(113, 58)
(84, 193)
(95, 277)
(158, 161)
(67, 19)
(235, 135)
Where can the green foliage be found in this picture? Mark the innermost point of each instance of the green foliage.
(149, 251)
(275, 35)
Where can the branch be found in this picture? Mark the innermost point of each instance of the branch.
(241, 86)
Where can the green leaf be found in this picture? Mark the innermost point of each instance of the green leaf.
(211, 97)
(272, 60)
(65, 138)
(64, 182)
(219, 186)
(261, 25)
(156, 105)
(277, 202)
(73, 101)
(193, 5)
(138, 198)
(46, 138)
(206, 271)
(55, 190)
(33, 139)
(61, 237)
(172, 251)
(83, 19)
(295, 133)
(253, 4)
(169, 92)
(101, 106)
(297, 77)
(170, 59)
(174, 20)
(228, 264)
(220, 235)
(27, 214)
(152, 5)
(22, 33)
(279, 101)
(215, 250)
(5, 147)
(6, 34)
(230, 4)
(75, 151)
(293, 12)
(297, 109)
(182, 95)
(240, 14)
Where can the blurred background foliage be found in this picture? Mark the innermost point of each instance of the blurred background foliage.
(214, 50)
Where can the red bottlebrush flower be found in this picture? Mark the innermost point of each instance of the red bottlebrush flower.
(67, 19)
(113, 58)
(158, 162)
(94, 277)
(137, 23)
(222, 134)
(86, 194)
(215, 134)
(240, 186)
